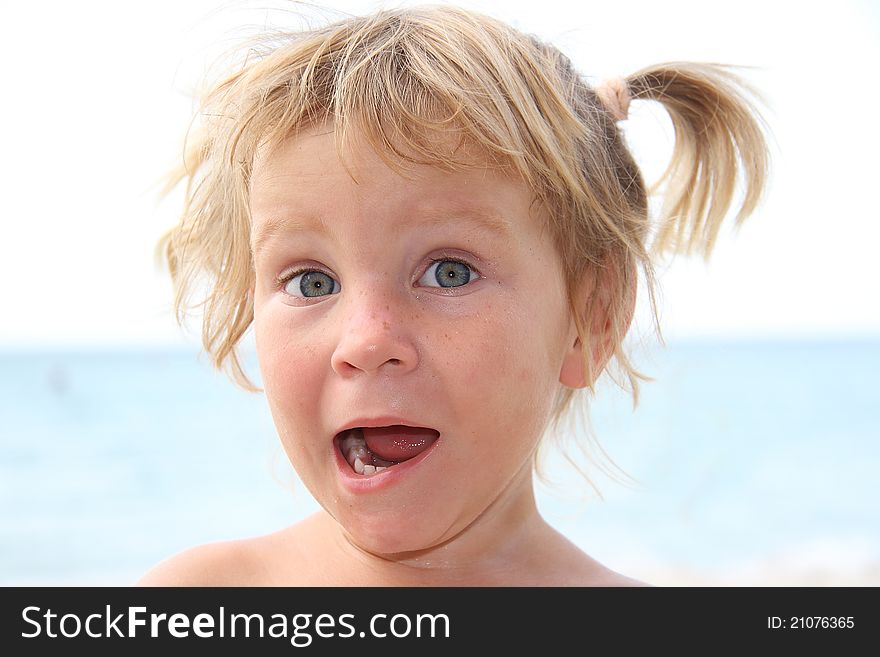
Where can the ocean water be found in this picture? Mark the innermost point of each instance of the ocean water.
(754, 462)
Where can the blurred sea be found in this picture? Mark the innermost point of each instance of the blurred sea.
(757, 463)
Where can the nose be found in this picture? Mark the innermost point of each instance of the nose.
(375, 338)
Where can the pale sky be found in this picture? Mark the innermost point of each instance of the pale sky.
(94, 107)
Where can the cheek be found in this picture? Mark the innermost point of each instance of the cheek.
(290, 368)
(503, 366)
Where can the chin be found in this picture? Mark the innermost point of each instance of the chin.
(388, 536)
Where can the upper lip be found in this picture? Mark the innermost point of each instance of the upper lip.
(381, 421)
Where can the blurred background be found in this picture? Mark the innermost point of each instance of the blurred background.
(755, 451)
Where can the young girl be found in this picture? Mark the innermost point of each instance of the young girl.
(434, 227)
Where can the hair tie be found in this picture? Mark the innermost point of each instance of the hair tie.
(614, 94)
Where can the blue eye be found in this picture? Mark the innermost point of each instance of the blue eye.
(448, 273)
(310, 283)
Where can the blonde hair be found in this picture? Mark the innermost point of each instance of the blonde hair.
(404, 78)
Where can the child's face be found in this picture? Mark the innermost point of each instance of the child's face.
(477, 358)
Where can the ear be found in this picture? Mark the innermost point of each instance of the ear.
(595, 301)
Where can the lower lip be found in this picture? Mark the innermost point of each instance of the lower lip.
(379, 481)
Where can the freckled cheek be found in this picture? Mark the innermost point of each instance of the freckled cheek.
(497, 362)
(290, 369)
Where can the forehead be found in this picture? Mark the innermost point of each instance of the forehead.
(357, 149)
(298, 183)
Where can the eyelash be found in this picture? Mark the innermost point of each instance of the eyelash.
(284, 278)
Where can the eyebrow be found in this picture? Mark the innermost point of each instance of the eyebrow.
(474, 217)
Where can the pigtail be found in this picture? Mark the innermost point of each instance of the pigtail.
(719, 146)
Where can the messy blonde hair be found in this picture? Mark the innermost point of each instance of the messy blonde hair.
(405, 77)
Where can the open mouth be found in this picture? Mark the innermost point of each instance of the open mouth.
(370, 450)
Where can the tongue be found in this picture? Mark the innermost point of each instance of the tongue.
(398, 442)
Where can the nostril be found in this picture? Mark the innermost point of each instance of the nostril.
(357, 352)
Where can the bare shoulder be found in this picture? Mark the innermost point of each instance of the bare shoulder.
(226, 563)
(574, 567)
(616, 579)
(593, 573)
(279, 558)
